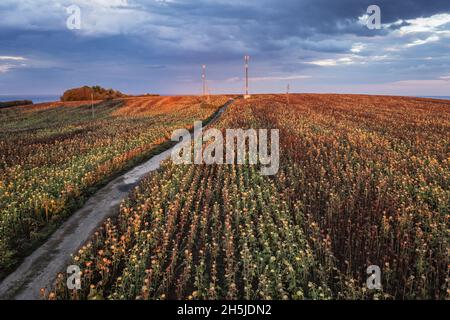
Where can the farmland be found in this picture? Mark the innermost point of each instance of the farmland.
(363, 180)
(53, 156)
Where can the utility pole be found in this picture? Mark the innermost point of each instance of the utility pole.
(287, 94)
(92, 102)
(208, 95)
(246, 60)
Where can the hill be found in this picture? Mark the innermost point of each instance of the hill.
(85, 93)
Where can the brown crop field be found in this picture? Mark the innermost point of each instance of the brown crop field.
(363, 180)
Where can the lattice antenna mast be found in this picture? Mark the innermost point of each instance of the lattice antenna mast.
(204, 79)
(246, 60)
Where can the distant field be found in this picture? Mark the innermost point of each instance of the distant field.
(54, 155)
(363, 181)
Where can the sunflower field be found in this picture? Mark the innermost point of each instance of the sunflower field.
(363, 180)
(53, 156)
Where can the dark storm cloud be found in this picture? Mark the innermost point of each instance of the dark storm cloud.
(143, 43)
(297, 17)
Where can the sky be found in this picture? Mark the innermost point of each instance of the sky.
(159, 46)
